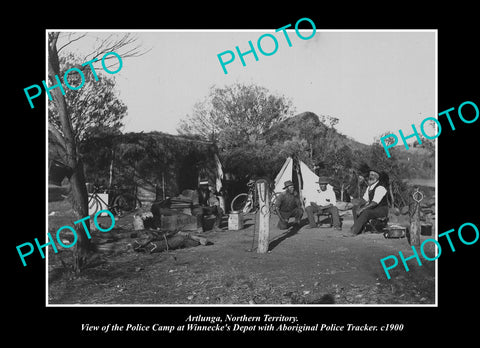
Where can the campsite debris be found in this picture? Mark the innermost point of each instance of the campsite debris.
(179, 222)
(180, 202)
(394, 231)
(143, 219)
(158, 241)
(201, 240)
(148, 240)
(137, 223)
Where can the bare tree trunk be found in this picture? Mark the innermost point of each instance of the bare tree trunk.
(68, 140)
(80, 209)
(391, 194)
(77, 180)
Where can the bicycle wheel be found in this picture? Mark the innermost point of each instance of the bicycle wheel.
(133, 202)
(93, 205)
(241, 203)
(125, 203)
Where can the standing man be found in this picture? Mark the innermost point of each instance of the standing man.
(322, 201)
(287, 205)
(374, 203)
(206, 203)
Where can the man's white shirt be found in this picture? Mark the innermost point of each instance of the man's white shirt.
(321, 197)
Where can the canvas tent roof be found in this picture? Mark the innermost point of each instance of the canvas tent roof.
(304, 178)
(284, 174)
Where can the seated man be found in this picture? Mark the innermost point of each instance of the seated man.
(158, 209)
(322, 201)
(287, 205)
(374, 203)
(206, 203)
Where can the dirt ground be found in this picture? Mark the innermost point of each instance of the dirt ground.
(303, 266)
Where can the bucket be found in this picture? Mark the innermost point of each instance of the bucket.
(395, 231)
(235, 221)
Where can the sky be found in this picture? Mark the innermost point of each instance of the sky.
(372, 81)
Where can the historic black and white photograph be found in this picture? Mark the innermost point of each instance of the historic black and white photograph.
(289, 167)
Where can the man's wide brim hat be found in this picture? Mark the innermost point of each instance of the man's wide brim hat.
(322, 180)
(287, 184)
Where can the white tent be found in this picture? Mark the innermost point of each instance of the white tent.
(307, 181)
(298, 173)
(283, 175)
(310, 180)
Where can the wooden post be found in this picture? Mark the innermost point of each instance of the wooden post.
(415, 228)
(415, 220)
(263, 194)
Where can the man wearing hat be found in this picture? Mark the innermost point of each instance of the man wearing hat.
(205, 203)
(322, 201)
(287, 205)
(374, 203)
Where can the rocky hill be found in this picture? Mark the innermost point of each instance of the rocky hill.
(323, 143)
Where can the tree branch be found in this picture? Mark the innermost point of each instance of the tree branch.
(71, 41)
(110, 45)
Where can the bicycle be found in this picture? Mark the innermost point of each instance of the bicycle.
(121, 203)
(247, 202)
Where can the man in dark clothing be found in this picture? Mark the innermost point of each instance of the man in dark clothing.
(374, 203)
(158, 209)
(287, 205)
(206, 203)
